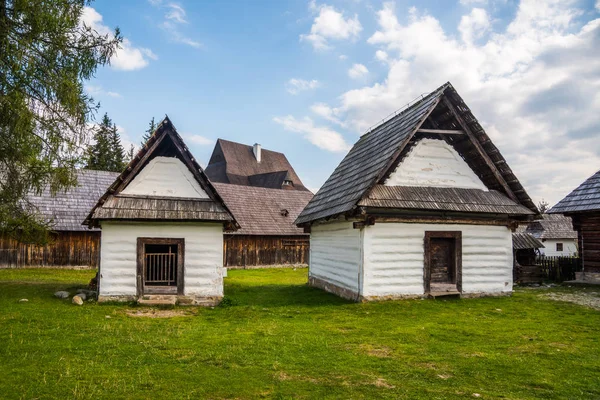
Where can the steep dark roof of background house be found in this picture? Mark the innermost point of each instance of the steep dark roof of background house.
(586, 197)
(235, 163)
(263, 211)
(165, 142)
(552, 226)
(522, 241)
(380, 150)
(67, 209)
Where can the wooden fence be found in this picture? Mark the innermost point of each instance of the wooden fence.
(558, 268)
(250, 251)
(67, 249)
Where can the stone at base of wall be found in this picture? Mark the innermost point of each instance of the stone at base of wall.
(331, 288)
(354, 296)
(209, 301)
(588, 276)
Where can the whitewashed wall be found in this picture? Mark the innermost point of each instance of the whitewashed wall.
(434, 163)
(394, 258)
(167, 177)
(203, 259)
(569, 247)
(335, 254)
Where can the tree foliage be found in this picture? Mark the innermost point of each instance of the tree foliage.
(107, 153)
(543, 206)
(46, 54)
(148, 132)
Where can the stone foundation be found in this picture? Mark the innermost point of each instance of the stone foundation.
(179, 300)
(593, 277)
(331, 288)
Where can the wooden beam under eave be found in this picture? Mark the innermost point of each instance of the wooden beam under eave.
(442, 131)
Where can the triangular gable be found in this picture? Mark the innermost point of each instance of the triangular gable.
(434, 163)
(164, 143)
(440, 115)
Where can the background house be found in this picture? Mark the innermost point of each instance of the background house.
(265, 195)
(162, 227)
(423, 204)
(583, 206)
(556, 232)
(72, 245)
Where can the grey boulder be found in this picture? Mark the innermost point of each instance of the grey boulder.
(61, 294)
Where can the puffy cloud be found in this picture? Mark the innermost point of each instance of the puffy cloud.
(322, 137)
(381, 56)
(330, 24)
(295, 86)
(127, 57)
(534, 85)
(357, 71)
(326, 112)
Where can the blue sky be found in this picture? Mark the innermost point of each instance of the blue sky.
(307, 78)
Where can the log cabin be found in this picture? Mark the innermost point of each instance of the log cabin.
(72, 245)
(162, 225)
(583, 206)
(265, 195)
(424, 204)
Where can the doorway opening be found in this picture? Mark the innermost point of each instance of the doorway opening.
(443, 262)
(160, 266)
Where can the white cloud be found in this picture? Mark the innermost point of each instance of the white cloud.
(127, 57)
(357, 71)
(598, 5)
(198, 139)
(381, 56)
(471, 2)
(98, 91)
(330, 24)
(345, 57)
(175, 16)
(295, 86)
(326, 112)
(322, 137)
(474, 25)
(534, 85)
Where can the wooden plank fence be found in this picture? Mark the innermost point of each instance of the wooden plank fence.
(243, 251)
(558, 268)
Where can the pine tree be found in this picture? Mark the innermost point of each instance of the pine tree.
(117, 152)
(149, 132)
(100, 155)
(130, 153)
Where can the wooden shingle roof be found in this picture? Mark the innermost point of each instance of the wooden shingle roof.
(165, 141)
(552, 226)
(379, 151)
(66, 210)
(522, 241)
(586, 197)
(235, 163)
(263, 211)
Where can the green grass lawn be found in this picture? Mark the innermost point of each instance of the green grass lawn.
(277, 338)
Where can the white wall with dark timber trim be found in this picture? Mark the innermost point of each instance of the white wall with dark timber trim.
(549, 249)
(165, 177)
(335, 254)
(394, 258)
(434, 163)
(203, 258)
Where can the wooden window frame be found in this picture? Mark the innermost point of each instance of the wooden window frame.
(562, 246)
(457, 236)
(141, 242)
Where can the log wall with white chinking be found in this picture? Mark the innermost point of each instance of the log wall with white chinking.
(394, 258)
(335, 256)
(203, 258)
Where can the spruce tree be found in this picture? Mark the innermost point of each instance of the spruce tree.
(100, 155)
(149, 132)
(130, 153)
(117, 162)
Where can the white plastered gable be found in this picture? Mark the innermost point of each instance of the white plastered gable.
(434, 163)
(165, 177)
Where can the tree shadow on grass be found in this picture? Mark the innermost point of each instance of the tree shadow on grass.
(280, 296)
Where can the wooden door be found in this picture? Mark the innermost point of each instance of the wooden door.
(442, 260)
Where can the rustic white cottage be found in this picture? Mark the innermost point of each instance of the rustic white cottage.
(423, 204)
(162, 227)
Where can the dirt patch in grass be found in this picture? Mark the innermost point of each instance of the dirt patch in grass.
(375, 351)
(382, 383)
(157, 313)
(587, 299)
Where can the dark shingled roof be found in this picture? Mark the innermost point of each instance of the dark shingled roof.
(261, 211)
(523, 241)
(442, 199)
(235, 163)
(585, 198)
(67, 209)
(166, 142)
(378, 152)
(552, 226)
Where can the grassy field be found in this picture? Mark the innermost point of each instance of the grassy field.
(274, 337)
